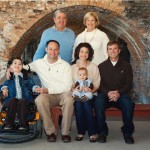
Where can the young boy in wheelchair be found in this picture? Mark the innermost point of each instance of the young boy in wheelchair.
(17, 93)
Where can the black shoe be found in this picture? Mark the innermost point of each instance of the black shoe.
(79, 138)
(93, 139)
(102, 139)
(66, 138)
(51, 138)
(128, 139)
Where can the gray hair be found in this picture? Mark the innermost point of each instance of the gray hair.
(59, 11)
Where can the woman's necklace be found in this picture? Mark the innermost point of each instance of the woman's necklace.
(85, 38)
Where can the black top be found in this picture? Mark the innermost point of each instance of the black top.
(118, 77)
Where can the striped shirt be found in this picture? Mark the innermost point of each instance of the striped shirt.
(18, 88)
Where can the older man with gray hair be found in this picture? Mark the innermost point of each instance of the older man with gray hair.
(60, 33)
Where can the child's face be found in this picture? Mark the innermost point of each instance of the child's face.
(16, 66)
(82, 75)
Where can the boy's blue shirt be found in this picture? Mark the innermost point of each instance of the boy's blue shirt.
(26, 87)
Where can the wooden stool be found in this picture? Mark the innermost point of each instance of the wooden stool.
(55, 113)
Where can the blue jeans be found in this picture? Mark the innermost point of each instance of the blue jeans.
(124, 104)
(85, 119)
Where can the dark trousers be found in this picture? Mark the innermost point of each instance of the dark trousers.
(85, 119)
(16, 106)
(124, 104)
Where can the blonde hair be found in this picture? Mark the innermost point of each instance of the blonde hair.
(91, 14)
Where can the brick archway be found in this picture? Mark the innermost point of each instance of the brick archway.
(110, 20)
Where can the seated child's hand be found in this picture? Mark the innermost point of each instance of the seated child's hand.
(87, 89)
(79, 88)
(5, 92)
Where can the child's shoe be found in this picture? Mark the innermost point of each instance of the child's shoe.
(23, 128)
(7, 127)
(84, 98)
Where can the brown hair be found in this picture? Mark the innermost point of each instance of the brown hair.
(113, 43)
(83, 69)
(77, 51)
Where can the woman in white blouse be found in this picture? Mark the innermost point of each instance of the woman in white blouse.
(96, 38)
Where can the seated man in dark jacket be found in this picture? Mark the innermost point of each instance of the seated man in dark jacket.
(116, 81)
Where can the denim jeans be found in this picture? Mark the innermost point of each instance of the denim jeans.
(126, 106)
(85, 119)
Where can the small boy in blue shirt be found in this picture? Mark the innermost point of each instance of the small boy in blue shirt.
(17, 93)
(81, 84)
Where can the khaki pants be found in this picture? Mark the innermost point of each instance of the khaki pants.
(45, 101)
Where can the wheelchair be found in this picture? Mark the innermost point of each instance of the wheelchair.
(15, 136)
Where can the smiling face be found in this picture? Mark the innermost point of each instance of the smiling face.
(16, 65)
(113, 52)
(90, 23)
(60, 21)
(84, 53)
(52, 50)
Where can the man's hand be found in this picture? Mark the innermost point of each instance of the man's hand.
(8, 75)
(113, 95)
(5, 92)
(41, 90)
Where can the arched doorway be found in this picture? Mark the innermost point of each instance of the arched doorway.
(113, 24)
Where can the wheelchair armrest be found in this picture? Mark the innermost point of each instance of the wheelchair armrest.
(32, 107)
(4, 109)
(1, 98)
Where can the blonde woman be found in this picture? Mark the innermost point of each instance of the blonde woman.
(92, 35)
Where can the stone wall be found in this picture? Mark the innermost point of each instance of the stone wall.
(23, 20)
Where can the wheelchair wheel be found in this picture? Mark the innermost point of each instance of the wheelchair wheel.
(15, 136)
(18, 137)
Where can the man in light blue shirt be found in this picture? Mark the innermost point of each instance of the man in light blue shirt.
(60, 33)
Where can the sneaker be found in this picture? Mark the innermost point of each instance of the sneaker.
(128, 139)
(23, 128)
(7, 127)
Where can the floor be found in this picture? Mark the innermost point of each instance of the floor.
(114, 141)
